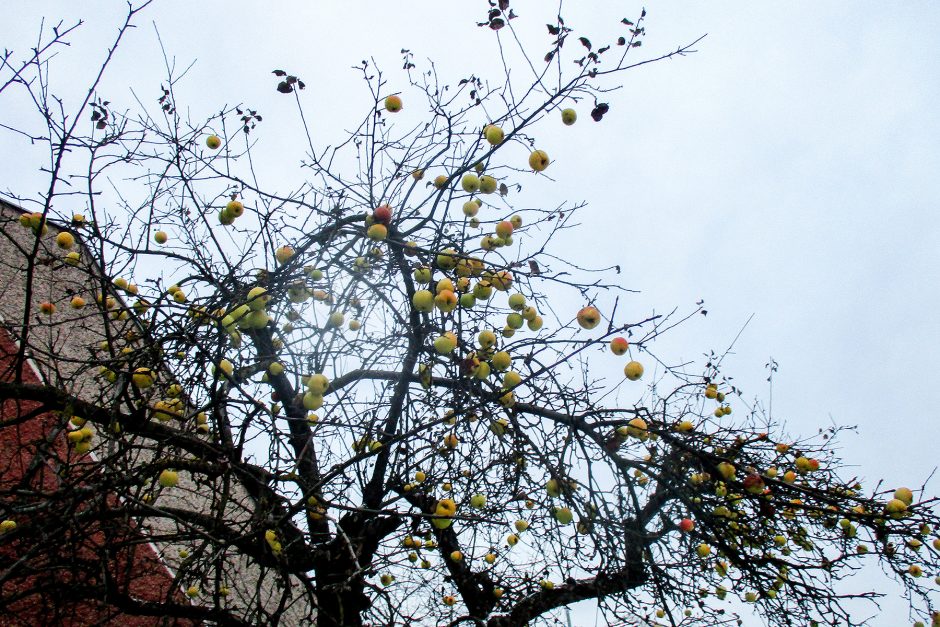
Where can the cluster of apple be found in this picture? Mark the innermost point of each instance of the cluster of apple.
(249, 315)
(34, 222)
(502, 234)
(317, 385)
(233, 209)
(64, 240)
(271, 537)
(81, 435)
(711, 392)
(588, 318)
(378, 222)
(730, 513)
(417, 545)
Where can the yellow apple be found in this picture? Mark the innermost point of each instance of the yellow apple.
(563, 515)
(234, 209)
(494, 134)
(538, 160)
(168, 478)
(726, 470)
(444, 345)
(472, 207)
(143, 378)
(569, 116)
(64, 240)
(377, 232)
(633, 370)
(905, 495)
(213, 142)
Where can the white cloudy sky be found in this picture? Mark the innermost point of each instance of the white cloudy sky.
(789, 169)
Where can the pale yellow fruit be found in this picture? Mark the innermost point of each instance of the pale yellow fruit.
(633, 370)
(494, 134)
(538, 160)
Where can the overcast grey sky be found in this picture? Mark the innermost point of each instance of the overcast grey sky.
(789, 169)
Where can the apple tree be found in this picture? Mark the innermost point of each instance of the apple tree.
(373, 386)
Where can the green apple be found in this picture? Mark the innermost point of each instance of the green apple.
(553, 488)
(563, 515)
(468, 300)
(377, 232)
(483, 290)
(447, 259)
(422, 274)
(318, 383)
(258, 298)
(423, 300)
(472, 207)
(312, 402)
(470, 183)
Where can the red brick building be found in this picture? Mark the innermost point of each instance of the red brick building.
(33, 452)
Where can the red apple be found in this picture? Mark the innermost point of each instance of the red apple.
(382, 214)
(619, 346)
